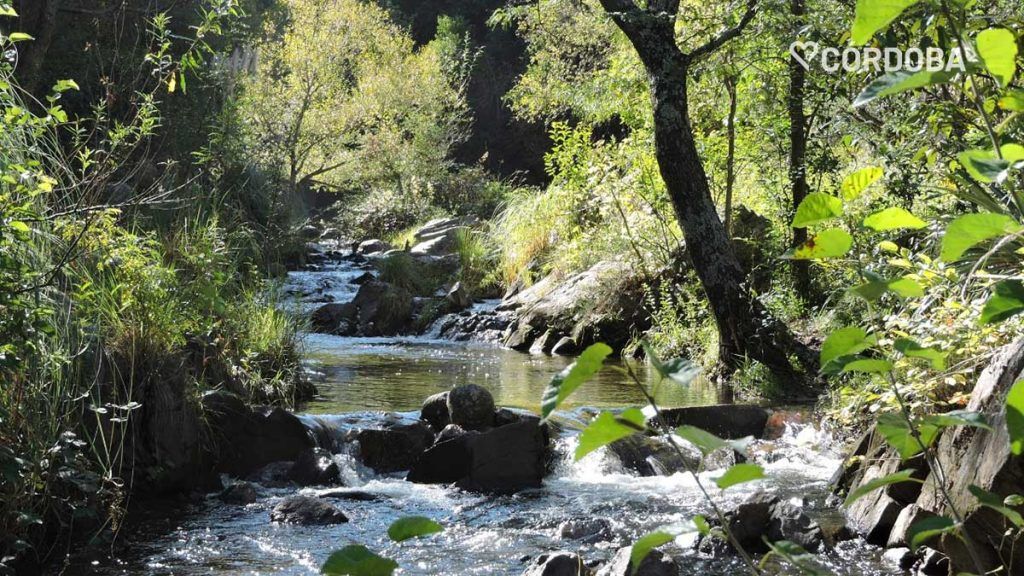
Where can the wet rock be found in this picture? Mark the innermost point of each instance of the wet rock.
(353, 495)
(657, 563)
(373, 246)
(240, 493)
(723, 420)
(558, 564)
(245, 440)
(901, 557)
(907, 517)
(438, 237)
(933, 563)
(273, 475)
(314, 467)
(565, 347)
(458, 298)
(651, 456)
(394, 448)
(329, 317)
(435, 411)
(450, 432)
(587, 530)
(307, 511)
(362, 278)
(499, 460)
(765, 517)
(471, 407)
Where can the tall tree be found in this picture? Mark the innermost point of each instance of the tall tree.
(746, 329)
(798, 148)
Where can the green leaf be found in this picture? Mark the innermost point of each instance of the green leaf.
(608, 428)
(870, 16)
(643, 546)
(1012, 101)
(19, 37)
(357, 560)
(924, 530)
(567, 381)
(894, 218)
(868, 366)
(1015, 417)
(900, 81)
(703, 528)
(958, 418)
(845, 342)
(679, 370)
(855, 184)
(412, 527)
(739, 474)
(1007, 301)
(998, 50)
(805, 562)
(876, 287)
(21, 229)
(707, 442)
(984, 166)
(896, 431)
(906, 287)
(872, 485)
(65, 85)
(7, 10)
(970, 230)
(993, 501)
(817, 208)
(831, 243)
(912, 349)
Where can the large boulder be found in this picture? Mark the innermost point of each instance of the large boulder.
(601, 304)
(379, 309)
(374, 246)
(656, 563)
(245, 440)
(587, 530)
(500, 460)
(471, 407)
(649, 456)
(722, 420)
(558, 564)
(395, 447)
(435, 411)
(239, 493)
(765, 517)
(439, 236)
(307, 511)
(314, 467)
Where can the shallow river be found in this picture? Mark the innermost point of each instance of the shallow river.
(483, 535)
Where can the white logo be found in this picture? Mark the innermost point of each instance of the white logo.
(851, 59)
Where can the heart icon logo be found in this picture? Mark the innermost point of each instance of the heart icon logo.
(801, 49)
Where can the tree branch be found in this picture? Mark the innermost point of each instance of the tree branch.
(726, 35)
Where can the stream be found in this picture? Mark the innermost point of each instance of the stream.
(484, 535)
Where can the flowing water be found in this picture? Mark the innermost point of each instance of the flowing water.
(484, 535)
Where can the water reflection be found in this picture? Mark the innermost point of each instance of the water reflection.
(395, 374)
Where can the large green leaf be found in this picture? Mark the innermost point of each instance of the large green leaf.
(868, 366)
(806, 563)
(970, 230)
(1007, 301)
(679, 370)
(1015, 417)
(900, 81)
(739, 474)
(831, 243)
(984, 166)
(877, 286)
(870, 16)
(1012, 100)
(846, 341)
(608, 428)
(707, 442)
(356, 560)
(855, 184)
(894, 218)
(897, 433)
(911, 349)
(958, 418)
(928, 528)
(998, 50)
(872, 485)
(567, 381)
(993, 501)
(817, 208)
(643, 546)
(412, 527)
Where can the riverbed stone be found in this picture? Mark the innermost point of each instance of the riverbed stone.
(395, 447)
(933, 563)
(765, 516)
(435, 411)
(907, 517)
(307, 511)
(374, 246)
(901, 557)
(723, 420)
(649, 456)
(558, 564)
(656, 563)
(471, 407)
(245, 440)
(458, 298)
(587, 530)
(239, 493)
(314, 467)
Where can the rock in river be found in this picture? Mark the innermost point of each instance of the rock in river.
(395, 447)
(558, 564)
(435, 411)
(314, 467)
(471, 407)
(656, 563)
(308, 511)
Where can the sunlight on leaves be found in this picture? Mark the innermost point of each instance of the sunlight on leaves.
(356, 560)
(412, 527)
(739, 474)
(567, 381)
(872, 485)
(608, 428)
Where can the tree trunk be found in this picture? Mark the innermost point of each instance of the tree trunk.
(730, 158)
(798, 152)
(38, 18)
(746, 330)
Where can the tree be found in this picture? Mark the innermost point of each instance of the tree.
(342, 99)
(746, 329)
(798, 149)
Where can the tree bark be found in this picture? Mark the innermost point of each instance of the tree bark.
(798, 152)
(38, 18)
(746, 330)
(730, 158)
